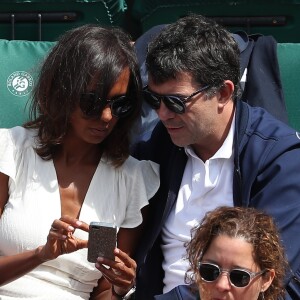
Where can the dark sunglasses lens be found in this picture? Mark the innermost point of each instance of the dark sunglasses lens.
(151, 99)
(239, 278)
(90, 105)
(121, 106)
(174, 104)
(209, 272)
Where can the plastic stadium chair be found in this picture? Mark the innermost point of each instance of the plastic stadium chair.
(279, 18)
(20, 61)
(45, 20)
(289, 64)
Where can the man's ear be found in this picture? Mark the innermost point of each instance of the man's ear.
(225, 93)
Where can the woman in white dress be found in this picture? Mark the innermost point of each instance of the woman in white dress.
(69, 166)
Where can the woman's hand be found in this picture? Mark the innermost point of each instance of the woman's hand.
(121, 273)
(61, 240)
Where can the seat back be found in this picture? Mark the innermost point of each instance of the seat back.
(289, 65)
(279, 18)
(46, 20)
(19, 61)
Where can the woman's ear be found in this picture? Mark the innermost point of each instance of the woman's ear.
(226, 92)
(267, 279)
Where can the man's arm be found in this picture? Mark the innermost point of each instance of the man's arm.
(277, 192)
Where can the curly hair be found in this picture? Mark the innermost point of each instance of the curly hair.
(253, 226)
(81, 55)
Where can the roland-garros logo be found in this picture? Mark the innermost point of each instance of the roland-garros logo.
(20, 83)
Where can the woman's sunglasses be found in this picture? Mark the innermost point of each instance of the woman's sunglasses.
(238, 277)
(92, 105)
(172, 102)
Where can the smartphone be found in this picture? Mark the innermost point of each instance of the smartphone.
(102, 241)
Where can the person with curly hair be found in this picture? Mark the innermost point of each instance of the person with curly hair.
(236, 253)
(70, 165)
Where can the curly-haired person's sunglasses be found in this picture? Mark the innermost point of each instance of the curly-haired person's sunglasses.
(92, 105)
(239, 278)
(175, 103)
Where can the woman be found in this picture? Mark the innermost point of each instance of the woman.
(69, 166)
(236, 253)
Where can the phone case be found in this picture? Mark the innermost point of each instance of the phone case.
(102, 241)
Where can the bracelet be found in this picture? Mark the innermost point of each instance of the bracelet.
(125, 296)
(121, 297)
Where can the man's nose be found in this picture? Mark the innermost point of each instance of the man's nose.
(164, 113)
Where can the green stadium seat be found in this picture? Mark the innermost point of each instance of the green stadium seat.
(289, 65)
(20, 61)
(45, 20)
(279, 18)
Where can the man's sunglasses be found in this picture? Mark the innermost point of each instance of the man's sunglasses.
(238, 277)
(92, 105)
(173, 102)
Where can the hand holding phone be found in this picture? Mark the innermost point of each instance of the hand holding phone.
(102, 241)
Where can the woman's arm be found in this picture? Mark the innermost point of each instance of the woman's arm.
(14, 266)
(122, 272)
(58, 240)
(102, 291)
(3, 191)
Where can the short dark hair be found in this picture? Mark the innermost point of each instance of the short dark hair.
(80, 55)
(256, 228)
(196, 45)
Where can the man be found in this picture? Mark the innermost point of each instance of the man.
(213, 150)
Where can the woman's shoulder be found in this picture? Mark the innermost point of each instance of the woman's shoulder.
(143, 173)
(18, 136)
(16, 147)
(132, 171)
(132, 164)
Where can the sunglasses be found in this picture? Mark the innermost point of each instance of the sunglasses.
(174, 103)
(238, 277)
(92, 105)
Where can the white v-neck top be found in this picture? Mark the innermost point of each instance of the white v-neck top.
(114, 195)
